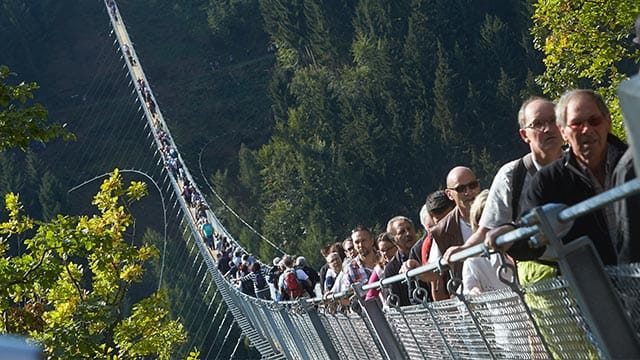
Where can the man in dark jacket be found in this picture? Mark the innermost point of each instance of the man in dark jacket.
(583, 171)
(314, 278)
(404, 237)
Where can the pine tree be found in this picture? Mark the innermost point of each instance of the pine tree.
(51, 196)
(444, 115)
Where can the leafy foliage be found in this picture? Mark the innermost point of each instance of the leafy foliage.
(68, 288)
(21, 122)
(585, 44)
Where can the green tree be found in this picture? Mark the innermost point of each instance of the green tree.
(20, 121)
(230, 19)
(11, 177)
(330, 30)
(68, 289)
(584, 44)
(444, 114)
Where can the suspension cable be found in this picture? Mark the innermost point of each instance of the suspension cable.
(224, 341)
(228, 207)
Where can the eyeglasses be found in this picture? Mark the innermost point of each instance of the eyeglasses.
(541, 125)
(464, 187)
(349, 249)
(593, 122)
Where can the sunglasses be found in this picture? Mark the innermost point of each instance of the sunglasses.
(349, 249)
(463, 187)
(593, 122)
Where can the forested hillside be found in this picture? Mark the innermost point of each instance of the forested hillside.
(314, 116)
(373, 103)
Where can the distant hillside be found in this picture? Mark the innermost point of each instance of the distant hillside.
(57, 44)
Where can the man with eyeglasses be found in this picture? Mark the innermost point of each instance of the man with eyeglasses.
(583, 171)
(538, 129)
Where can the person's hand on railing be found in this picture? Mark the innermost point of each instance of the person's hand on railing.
(328, 297)
(412, 264)
(492, 236)
(475, 239)
(450, 251)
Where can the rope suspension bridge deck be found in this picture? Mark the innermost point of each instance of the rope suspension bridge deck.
(557, 318)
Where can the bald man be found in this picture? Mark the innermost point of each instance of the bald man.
(455, 228)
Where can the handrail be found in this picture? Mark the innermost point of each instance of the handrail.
(627, 189)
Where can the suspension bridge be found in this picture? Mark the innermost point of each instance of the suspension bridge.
(559, 318)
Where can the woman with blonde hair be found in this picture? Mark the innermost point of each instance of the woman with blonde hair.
(479, 274)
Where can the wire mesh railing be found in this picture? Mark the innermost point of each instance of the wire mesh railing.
(549, 319)
(626, 280)
(445, 329)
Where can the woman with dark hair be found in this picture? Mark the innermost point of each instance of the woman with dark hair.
(387, 250)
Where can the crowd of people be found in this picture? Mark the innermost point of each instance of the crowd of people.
(455, 218)
(461, 216)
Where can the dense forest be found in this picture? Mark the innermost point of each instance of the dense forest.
(373, 102)
(315, 116)
(307, 116)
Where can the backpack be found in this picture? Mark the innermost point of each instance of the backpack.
(524, 166)
(259, 282)
(274, 276)
(426, 248)
(312, 274)
(292, 285)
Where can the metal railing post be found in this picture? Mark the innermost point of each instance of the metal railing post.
(629, 96)
(322, 333)
(595, 295)
(295, 335)
(372, 311)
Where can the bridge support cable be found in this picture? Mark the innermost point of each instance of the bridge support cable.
(235, 348)
(220, 327)
(95, 89)
(196, 296)
(494, 324)
(212, 323)
(99, 117)
(209, 321)
(224, 341)
(200, 315)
